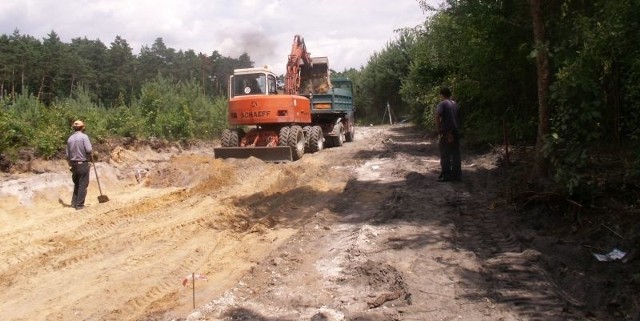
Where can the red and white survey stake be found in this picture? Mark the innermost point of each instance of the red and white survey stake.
(193, 276)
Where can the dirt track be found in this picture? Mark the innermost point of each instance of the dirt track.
(361, 232)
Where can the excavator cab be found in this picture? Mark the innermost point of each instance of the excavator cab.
(250, 84)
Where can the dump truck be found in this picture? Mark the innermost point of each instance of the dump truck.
(274, 126)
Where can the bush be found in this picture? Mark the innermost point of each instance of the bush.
(14, 132)
(167, 110)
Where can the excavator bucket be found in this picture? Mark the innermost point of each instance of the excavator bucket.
(320, 65)
(277, 154)
(316, 78)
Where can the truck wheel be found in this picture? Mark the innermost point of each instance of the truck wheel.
(296, 142)
(230, 138)
(283, 136)
(350, 135)
(316, 140)
(339, 140)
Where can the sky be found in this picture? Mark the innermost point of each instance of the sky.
(346, 31)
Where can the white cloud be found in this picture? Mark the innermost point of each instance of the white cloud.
(347, 31)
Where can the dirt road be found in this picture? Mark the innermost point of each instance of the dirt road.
(360, 232)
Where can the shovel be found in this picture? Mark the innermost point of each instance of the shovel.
(101, 198)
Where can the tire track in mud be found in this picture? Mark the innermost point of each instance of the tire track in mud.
(164, 292)
(28, 247)
(58, 252)
(46, 246)
(118, 217)
(75, 230)
(203, 228)
(85, 246)
(50, 247)
(513, 277)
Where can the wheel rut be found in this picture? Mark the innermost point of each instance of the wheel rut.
(513, 275)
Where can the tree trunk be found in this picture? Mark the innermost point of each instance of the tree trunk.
(73, 78)
(541, 163)
(41, 90)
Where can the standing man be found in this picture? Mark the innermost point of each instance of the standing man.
(447, 124)
(78, 155)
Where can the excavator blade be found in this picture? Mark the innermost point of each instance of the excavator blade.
(277, 154)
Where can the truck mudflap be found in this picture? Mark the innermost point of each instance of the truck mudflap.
(276, 154)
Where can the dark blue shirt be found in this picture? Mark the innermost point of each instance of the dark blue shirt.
(450, 113)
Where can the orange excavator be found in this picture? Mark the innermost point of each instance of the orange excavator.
(284, 125)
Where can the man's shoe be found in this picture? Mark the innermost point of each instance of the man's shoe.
(442, 179)
(78, 208)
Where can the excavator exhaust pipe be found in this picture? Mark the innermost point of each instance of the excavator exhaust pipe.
(279, 154)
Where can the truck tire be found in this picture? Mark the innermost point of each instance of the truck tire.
(296, 142)
(230, 138)
(350, 135)
(283, 136)
(339, 140)
(316, 140)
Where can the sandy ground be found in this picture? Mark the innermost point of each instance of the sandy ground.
(361, 232)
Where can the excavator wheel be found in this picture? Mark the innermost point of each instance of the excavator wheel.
(316, 140)
(296, 142)
(307, 135)
(283, 136)
(230, 138)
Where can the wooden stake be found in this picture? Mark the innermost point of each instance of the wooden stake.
(193, 282)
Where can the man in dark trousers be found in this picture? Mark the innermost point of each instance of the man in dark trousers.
(78, 155)
(448, 125)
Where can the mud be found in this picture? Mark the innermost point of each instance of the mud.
(361, 232)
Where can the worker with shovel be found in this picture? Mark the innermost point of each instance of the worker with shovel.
(78, 155)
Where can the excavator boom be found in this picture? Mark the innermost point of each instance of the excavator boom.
(298, 57)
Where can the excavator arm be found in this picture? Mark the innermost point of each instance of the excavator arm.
(298, 57)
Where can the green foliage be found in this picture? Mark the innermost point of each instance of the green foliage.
(596, 92)
(53, 69)
(211, 120)
(475, 50)
(14, 131)
(48, 140)
(380, 81)
(482, 50)
(28, 123)
(162, 92)
(635, 171)
(576, 126)
(166, 109)
(124, 122)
